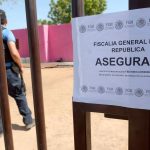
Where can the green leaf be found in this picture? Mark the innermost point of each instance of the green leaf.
(60, 11)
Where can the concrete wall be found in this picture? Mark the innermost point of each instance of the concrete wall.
(55, 42)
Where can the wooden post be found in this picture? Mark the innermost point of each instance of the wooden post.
(5, 109)
(82, 128)
(77, 8)
(135, 4)
(82, 120)
(36, 73)
(139, 129)
(139, 120)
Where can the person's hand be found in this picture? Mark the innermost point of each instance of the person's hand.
(21, 70)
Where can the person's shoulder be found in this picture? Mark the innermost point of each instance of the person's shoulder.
(6, 31)
(7, 34)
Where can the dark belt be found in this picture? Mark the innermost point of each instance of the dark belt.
(8, 65)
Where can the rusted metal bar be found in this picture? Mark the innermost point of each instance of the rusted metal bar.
(36, 73)
(77, 8)
(4, 100)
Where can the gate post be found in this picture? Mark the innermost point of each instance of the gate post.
(139, 120)
(82, 128)
(36, 73)
(77, 8)
(81, 118)
(139, 129)
(4, 101)
(135, 4)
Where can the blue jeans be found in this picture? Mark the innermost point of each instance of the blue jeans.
(15, 90)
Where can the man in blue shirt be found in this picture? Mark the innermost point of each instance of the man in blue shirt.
(14, 81)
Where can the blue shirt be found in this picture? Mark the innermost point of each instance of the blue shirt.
(8, 35)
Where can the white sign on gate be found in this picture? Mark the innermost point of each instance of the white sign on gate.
(112, 59)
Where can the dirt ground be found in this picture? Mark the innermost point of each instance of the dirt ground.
(107, 134)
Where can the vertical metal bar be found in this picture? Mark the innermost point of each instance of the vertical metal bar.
(4, 100)
(77, 8)
(139, 120)
(36, 73)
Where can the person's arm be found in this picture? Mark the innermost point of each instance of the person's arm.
(15, 54)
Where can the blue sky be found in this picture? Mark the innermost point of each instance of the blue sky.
(17, 18)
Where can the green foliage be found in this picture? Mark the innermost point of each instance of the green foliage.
(60, 11)
(93, 7)
(42, 22)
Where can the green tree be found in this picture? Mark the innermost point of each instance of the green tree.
(93, 7)
(42, 22)
(60, 11)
